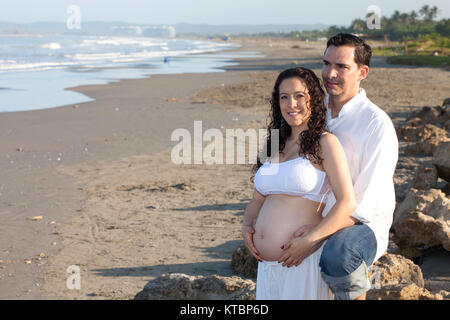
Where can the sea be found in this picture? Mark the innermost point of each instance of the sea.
(36, 70)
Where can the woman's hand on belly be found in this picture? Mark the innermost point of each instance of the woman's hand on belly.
(248, 234)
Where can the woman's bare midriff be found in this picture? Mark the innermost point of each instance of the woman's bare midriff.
(279, 217)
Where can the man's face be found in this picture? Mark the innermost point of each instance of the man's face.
(341, 74)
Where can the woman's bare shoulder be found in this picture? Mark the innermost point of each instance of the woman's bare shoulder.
(330, 146)
(328, 140)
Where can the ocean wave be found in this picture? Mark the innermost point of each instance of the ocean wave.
(37, 66)
(136, 56)
(7, 61)
(122, 42)
(93, 56)
(51, 45)
(99, 52)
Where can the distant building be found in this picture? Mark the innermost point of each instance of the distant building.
(14, 31)
(127, 31)
(159, 31)
(162, 31)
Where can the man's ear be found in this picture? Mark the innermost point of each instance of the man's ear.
(364, 71)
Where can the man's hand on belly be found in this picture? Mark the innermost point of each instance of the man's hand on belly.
(304, 230)
(299, 247)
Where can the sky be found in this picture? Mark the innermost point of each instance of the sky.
(329, 12)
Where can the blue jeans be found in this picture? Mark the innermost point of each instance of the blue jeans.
(345, 258)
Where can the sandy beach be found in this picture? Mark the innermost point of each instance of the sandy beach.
(93, 185)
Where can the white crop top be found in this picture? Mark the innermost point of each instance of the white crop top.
(296, 177)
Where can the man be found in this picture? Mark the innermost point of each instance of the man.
(371, 147)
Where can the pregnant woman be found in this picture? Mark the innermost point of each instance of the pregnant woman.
(291, 186)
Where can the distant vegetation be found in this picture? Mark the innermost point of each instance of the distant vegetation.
(414, 38)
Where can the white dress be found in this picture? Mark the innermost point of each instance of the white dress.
(304, 282)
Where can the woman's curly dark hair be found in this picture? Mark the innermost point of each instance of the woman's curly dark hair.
(308, 139)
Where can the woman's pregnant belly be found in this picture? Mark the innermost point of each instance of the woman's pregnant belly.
(279, 217)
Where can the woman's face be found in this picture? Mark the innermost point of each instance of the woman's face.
(294, 103)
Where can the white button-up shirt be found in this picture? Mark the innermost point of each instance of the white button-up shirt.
(370, 143)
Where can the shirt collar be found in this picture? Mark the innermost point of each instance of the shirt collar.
(349, 106)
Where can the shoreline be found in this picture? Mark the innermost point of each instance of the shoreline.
(114, 205)
(42, 82)
(38, 143)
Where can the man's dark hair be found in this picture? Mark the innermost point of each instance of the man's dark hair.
(363, 52)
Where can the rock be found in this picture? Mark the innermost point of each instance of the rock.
(404, 175)
(435, 264)
(439, 285)
(407, 132)
(436, 115)
(441, 159)
(413, 122)
(446, 102)
(404, 292)
(243, 263)
(432, 202)
(445, 294)
(446, 189)
(392, 269)
(395, 277)
(179, 286)
(427, 138)
(422, 219)
(427, 114)
(447, 125)
(36, 218)
(172, 100)
(425, 178)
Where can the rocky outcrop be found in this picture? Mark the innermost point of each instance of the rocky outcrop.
(392, 277)
(426, 129)
(178, 286)
(426, 177)
(392, 269)
(243, 263)
(406, 292)
(422, 219)
(395, 277)
(441, 159)
(446, 102)
(425, 138)
(437, 115)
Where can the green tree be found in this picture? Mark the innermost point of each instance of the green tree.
(413, 15)
(443, 27)
(428, 13)
(358, 26)
(333, 30)
(395, 16)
